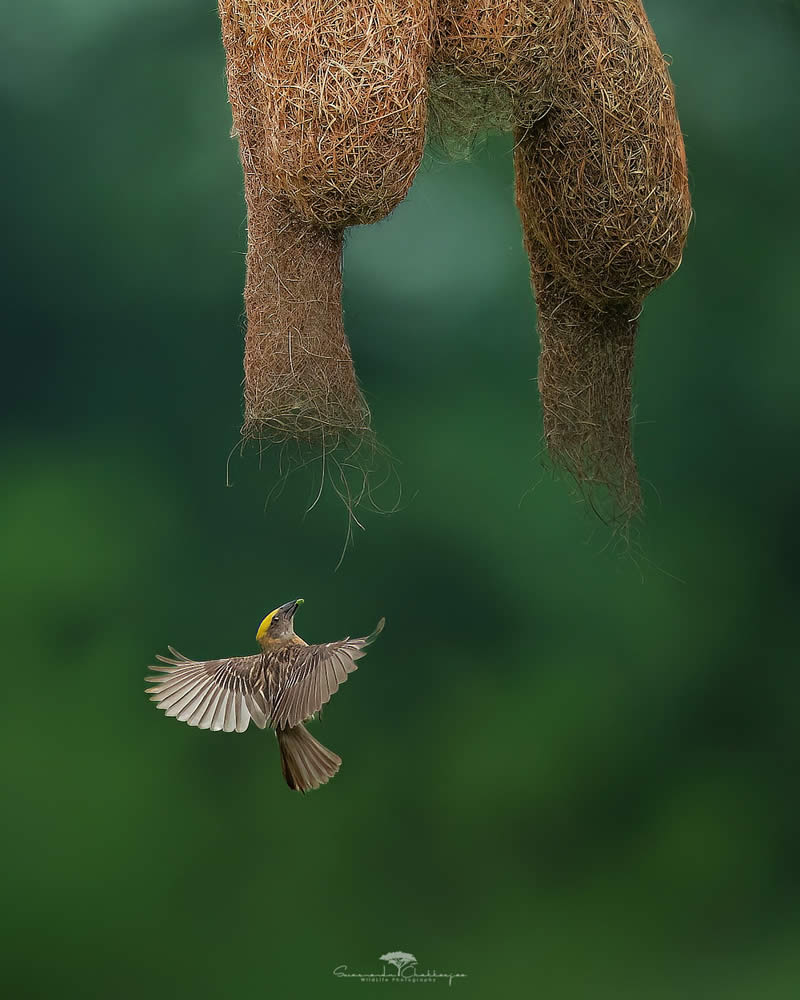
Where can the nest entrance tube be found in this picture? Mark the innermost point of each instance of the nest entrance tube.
(299, 379)
(585, 368)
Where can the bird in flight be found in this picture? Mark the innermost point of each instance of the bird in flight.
(283, 686)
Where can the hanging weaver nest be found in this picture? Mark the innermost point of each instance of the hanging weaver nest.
(331, 103)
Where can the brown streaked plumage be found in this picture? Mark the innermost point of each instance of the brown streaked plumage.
(282, 687)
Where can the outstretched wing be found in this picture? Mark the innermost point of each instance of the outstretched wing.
(312, 675)
(212, 694)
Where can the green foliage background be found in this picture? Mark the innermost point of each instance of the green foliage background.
(568, 771)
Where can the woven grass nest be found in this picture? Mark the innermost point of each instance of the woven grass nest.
(332, 101)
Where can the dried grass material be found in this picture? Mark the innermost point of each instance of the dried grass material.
(329, 101)
(603, 195)
(601, 180)
(329, 105)
(585, 368)
(461, 110)
(490, 68)
(513, 44)
(299, 379)
(341, 93)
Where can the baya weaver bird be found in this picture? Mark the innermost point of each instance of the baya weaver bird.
(282, 687)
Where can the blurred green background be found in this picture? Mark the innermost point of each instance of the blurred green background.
(569, 770)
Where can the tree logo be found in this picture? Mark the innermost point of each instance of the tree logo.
(401, 959)
(407, 972)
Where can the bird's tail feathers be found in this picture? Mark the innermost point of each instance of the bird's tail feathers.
(305, 763)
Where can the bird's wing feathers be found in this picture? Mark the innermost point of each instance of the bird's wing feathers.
(212, 694)
(311, 675)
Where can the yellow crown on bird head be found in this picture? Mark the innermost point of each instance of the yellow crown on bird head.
(284, 612)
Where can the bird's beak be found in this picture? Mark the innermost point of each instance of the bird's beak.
(290, 608)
